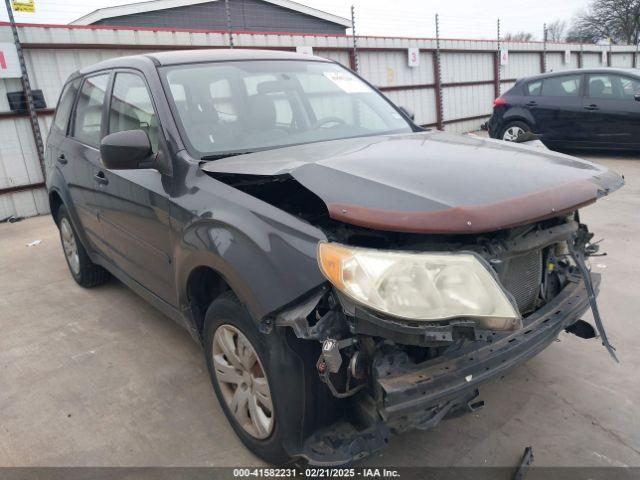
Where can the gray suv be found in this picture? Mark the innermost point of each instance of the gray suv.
(348, 274)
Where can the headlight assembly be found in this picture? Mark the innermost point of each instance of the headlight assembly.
(419, 286)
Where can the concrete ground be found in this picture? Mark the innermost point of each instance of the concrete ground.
(99, 377)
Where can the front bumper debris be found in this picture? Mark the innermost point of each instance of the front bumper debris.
(421, 395)
(424, 385)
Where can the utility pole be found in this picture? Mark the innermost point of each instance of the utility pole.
(227, 11)
(498, 72)
(28, 94)
(437, 68)
(544, 48)
(356, 60)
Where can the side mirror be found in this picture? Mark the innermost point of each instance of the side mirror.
(125, 150)
(637, 97)
(407, 112)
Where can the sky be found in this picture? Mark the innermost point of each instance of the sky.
(409, 18)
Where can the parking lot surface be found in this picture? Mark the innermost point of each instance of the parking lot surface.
(100, 378)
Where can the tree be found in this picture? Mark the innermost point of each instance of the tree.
(617, 20)
(555, 31)
(518, 37)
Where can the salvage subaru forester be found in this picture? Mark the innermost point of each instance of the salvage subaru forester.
(349, 274)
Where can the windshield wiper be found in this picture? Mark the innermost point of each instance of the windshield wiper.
(223, 155)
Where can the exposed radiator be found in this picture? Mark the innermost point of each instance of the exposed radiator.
(522, 277)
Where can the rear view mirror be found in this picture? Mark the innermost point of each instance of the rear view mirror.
(637, 97)
(125, 150)
(408, 113)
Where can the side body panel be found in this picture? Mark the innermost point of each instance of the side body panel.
(136, 236)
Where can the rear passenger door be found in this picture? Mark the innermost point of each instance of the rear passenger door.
(80, 153)
(556, 105)
(133, 204)
(613, 114)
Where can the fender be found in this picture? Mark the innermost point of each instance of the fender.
(266, 256)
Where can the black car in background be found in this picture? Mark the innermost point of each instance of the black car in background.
(587, 108)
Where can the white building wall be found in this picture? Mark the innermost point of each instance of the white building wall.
(382, 61)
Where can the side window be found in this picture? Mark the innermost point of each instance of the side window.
(131, 107)
(63, 110)
(565, 86)
(602, 86)
(630, 87)
(612, 87)
(534, 88)
(88, 116)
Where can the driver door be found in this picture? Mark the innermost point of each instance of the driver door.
(133, 205)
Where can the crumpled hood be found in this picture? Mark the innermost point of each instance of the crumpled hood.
(433, 182)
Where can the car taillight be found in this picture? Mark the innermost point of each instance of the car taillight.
(499, 101)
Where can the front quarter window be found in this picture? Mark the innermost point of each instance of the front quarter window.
(248, 106)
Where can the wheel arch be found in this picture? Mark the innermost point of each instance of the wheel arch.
(518, 115)
(204, 285)
(55, 202)
(265, 269)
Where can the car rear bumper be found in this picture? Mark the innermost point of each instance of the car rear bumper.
(421, 395)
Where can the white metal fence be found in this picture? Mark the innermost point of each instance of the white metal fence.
(471, 77)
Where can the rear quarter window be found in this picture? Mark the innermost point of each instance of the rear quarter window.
(533, 88)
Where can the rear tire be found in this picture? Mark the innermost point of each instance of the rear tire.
(298, 399)
(512, 130)
(86, 273)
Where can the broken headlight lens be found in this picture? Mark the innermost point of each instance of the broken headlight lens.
(419, 286)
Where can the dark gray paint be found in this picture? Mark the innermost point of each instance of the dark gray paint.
(250, 15)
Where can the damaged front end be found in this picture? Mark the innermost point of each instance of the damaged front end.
(397, 373)
(448, 260)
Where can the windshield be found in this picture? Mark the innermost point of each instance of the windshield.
(233, 107)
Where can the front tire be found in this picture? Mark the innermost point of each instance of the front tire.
(86, 273)
(512, 130)
(269, 391)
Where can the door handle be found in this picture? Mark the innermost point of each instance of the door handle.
(591, 107)
(62, 159)
(100, 178)
(531, 104)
